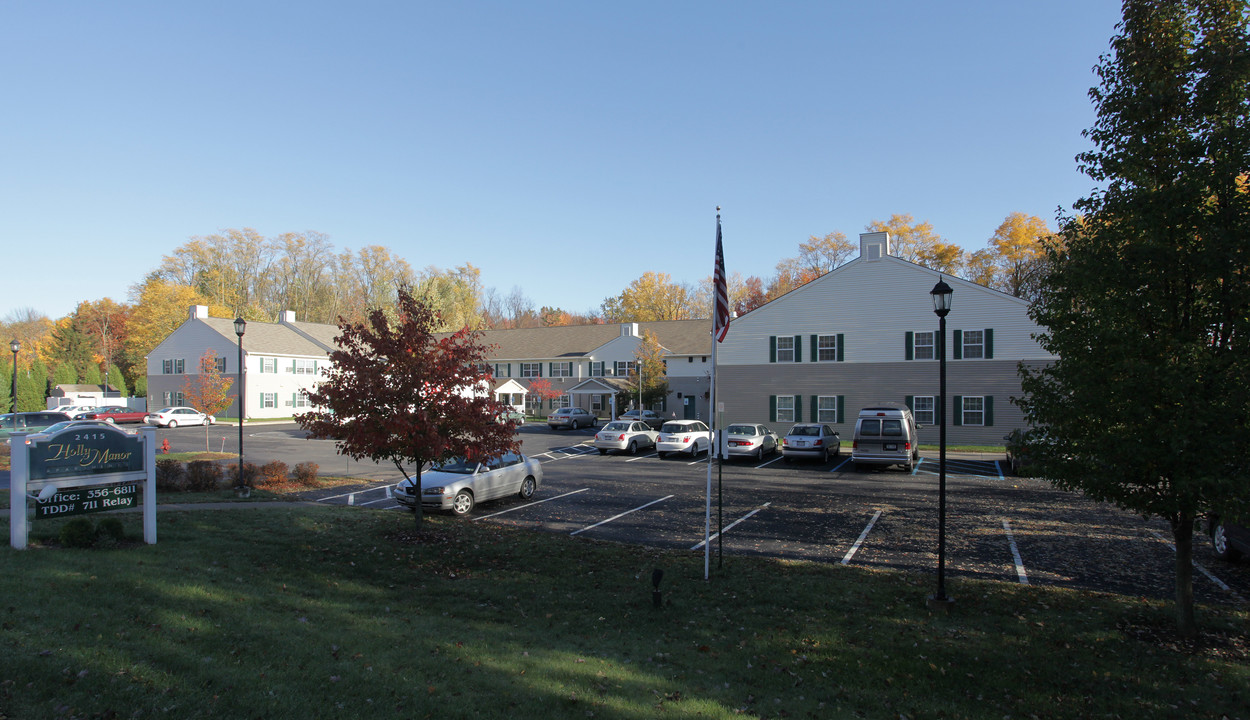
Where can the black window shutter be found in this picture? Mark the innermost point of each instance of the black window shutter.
(909, 345)
(841, 344)
(772, 408)
(815, 356)
(989, 343)
(959, 345)
(841, 412)
(772, 348)
(798, 348)
(989, 410)
(957, 410)
(814, 412)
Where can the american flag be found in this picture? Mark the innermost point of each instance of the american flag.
(720, 303)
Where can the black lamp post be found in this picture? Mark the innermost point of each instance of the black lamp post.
(941, 294)
(240, 325)
(15, 346)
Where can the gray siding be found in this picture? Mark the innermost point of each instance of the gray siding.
(745, 390)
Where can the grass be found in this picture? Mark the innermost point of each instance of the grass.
(329, 612)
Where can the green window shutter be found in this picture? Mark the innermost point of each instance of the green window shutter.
(841, 342)
(813, 413)
(798, 348)
(957, 409)
(798, 408)
(261, 402)
(509, 369)
(772, 352)
(989, 410)
(772, 408)
(841, 411)
(813, 350)
(959, 345)
(910, 402)
(909, 340)
(989, 343)
(292, 366)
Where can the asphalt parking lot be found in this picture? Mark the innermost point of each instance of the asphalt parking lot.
(999, 527)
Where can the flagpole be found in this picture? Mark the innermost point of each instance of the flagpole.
(707, 520)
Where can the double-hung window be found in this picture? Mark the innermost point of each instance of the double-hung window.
(973, 344)
(785, 349)
(973, 410)
(269, 365)
(785, 408)
(531, 370)
(596, 368)
(624, 368)
(827, 409)
(304, 367)
(923, 347)
(826, 348)
(269, 400)
(561, 369)
(923, 408)
(173, 367)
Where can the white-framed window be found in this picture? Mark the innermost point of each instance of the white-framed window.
(533, 404)
(785, 408)
(785, 348)
(923, 408)
(174, 398)
(304, 367)
(624, 368)
(596, 368)
(219, 364)
(973, 409)
(269, 365)
(300, 400)
(560, 402)
(269, 400)
(827, 409)
(596, 404)
(531, 370)
(561, 369)
(826, 348)
(974, 344)
(923, 346)
(173, 367)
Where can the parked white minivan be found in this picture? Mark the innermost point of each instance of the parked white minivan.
(885, 434)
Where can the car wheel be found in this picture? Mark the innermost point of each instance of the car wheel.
(759, 454)
(110, 421)
(633, 447)
(172, 424)
(825, 456)
(694, 448)
(527, 488)
(462, 503)
(1219, 542)
(203, 421)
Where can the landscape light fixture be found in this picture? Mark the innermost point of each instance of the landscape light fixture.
(941, 294)
(15, 346)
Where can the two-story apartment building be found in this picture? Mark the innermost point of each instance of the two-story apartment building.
(866, 333)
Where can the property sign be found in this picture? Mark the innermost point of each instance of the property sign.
(79, 501)
(87, 451)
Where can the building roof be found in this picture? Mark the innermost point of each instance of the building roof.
(278, 338)
(679, 337)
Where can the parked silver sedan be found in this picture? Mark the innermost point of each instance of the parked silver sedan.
(625, 435)
(812, 441)
(750, 440)
(458, 484)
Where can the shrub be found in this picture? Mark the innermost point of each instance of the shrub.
(250, 471)
(203, 475)
(273, 473)
(78, 533)
(110, 529)
(170, 475)
(306, 473)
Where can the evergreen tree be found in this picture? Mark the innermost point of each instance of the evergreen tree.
(64, 374)
(117, 380)
(1145, 300)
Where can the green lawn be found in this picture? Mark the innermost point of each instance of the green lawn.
(329, 612)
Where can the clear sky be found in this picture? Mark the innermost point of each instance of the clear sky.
(561, 147)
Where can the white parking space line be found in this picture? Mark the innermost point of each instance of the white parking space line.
(777, 458)
(617, 517)
(642, 457)
(528, 505)
(351, 495)
(565, 452)
(728, 527)
(1219, 583)
(860, 541)
(1015, 553)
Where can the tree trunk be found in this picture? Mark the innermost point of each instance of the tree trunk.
(1183, 535)
(416, 484)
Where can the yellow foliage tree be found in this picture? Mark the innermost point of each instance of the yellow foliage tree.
(159, 308)
(913, 241)
(1018, 244)
(654, 296)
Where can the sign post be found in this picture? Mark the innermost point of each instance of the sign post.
(79, 470)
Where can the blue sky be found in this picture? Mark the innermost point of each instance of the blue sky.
(561, 147)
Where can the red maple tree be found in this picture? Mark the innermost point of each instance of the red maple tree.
(398, 391)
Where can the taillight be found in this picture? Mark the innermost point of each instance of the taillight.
(854, 444)
(685, 440)
(818, 442)
(907, 446)
(622, 437)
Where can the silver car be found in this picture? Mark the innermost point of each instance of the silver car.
(750, 440)
(625, 435)
(811, 440)
(458, 485)
(572, 418)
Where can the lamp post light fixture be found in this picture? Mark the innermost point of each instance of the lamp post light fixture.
(15, 346)
(240, 325)
(941, 294)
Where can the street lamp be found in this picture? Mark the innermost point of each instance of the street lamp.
(15, 346)
(941, 294)
(240, 325)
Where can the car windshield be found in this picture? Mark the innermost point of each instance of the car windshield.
(741, 430)
(616, 426)
(676, 428)
(458, 466)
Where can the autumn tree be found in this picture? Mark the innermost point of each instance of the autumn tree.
(209, 390)
(649, 377)
(1019, 254)
(654, 296)
(159, 308)
(399, 392)
(912, 241)
(820, 255)
(1145, 302)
